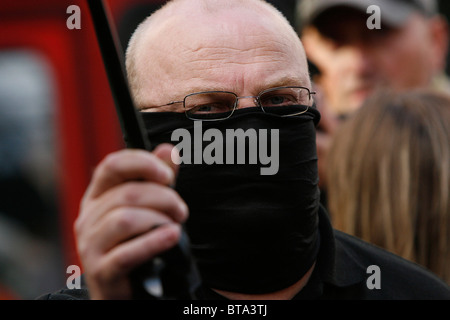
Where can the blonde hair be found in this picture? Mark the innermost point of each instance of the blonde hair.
(389, 176)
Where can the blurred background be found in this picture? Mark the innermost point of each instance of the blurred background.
(57, 121)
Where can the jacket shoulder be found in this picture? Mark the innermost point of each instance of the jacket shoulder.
(398, 278)
(68, 294)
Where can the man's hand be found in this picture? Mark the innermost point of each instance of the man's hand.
(128, 215)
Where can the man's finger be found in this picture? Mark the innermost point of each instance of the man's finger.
(127, 165)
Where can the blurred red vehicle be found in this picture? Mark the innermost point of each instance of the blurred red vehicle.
(83, 121)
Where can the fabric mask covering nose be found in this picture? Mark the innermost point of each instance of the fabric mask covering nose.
(250, 233)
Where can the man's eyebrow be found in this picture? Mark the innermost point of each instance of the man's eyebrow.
(205, 88)
(301, 80)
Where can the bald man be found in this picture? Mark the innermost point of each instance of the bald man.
(218, 78)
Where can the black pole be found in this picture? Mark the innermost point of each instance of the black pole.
(175, 270)
(130, 122)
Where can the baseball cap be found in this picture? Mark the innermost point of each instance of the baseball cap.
(393, 12)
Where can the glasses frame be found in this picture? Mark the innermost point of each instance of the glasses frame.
(236, 102)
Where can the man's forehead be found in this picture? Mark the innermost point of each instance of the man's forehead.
(220, 21)
(218, 37)
(196, 10)
(191, 52)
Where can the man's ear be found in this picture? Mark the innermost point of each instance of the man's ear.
(439, 35)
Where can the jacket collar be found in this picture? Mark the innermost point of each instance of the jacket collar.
(335, 264)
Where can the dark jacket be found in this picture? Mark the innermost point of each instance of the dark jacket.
(346, 268)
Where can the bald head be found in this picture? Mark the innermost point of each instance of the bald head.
(198, 45)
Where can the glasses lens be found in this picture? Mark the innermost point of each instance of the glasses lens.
(297, 98)
(209, 105)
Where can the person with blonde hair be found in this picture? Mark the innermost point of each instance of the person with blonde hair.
(389, 176)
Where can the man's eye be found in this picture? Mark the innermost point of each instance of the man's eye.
(211, 108)
(279, 100)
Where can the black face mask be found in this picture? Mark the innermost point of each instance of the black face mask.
(250, 233)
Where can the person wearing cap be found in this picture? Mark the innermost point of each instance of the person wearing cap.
(408, 50)
(353, 54)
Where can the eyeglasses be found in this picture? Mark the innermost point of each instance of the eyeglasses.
(220, 105)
